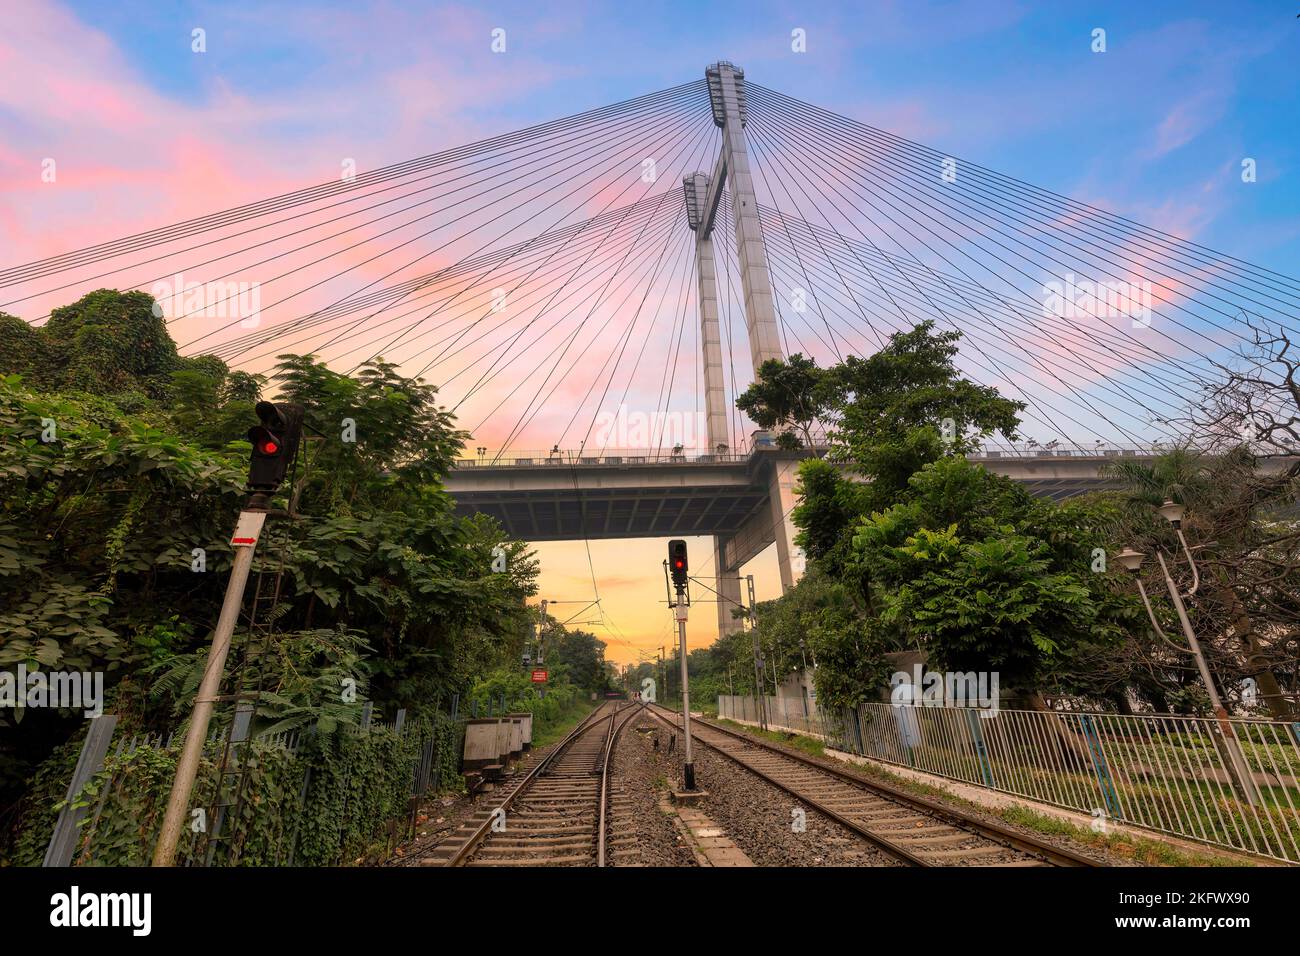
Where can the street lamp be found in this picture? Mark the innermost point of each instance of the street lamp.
(812, 650)
(1132, 560)
(1173, 513)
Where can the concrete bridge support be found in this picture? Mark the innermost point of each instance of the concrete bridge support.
(703, 197)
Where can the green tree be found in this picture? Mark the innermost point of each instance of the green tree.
(787, 396)
(907, 405)
(975, 571)
(109, 491)
(105, 343)
(582, 655)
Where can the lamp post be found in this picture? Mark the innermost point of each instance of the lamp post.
(1132, 561)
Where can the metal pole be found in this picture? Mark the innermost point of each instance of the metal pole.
(758, 656)
(803, 677)
(247, 531)
(688, 769)
(1239, 766)
(541, 626)
(663, 671)
(541, 630)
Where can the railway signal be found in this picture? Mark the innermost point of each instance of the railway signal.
(677, 563)
(275, 442)
(678, 568)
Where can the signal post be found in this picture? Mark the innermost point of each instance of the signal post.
(275, 443)
(678, 568)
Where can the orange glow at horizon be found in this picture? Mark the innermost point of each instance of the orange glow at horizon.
(633, 618)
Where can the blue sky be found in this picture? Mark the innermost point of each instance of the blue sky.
(1155, 127)
(148, 133)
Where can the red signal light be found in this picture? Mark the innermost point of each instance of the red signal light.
(274, 442)
(677, 563)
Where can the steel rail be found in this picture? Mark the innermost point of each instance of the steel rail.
(466, 849)
(610, 740)
(884, 843)
(1012, 839)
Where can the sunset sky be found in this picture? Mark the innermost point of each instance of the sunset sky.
(144, 132)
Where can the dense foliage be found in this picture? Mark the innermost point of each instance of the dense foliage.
(914, 548)
(122, 468)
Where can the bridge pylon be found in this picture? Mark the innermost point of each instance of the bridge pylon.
(731, 171)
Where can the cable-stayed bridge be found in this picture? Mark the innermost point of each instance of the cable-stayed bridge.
(614, 259)
(648, 493)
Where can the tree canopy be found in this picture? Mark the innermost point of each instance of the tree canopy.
(122, 469)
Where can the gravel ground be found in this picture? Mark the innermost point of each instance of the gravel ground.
(642, 774)
(440, 815)
(1104, 857)
(757, 818)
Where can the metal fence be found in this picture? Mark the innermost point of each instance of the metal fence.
(1234, 784)
(231, 750)
(81, 827)
(782, 713)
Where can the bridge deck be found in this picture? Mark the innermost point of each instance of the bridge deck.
(563, 497)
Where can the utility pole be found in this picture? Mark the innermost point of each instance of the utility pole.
(1235, 763)
(758, 656)
(688, 768)
(663, 673)
(541, 630)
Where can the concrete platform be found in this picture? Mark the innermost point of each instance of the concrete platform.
(688, 798)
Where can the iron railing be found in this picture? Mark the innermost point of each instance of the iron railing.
(568, 459)
(694, 456)
(1170, 774)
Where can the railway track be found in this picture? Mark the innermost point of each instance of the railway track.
(560, 813)
(910, 828)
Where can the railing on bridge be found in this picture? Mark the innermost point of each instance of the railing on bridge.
(1160, 772)
(693, 456)
(616, 458)
(1053, 450)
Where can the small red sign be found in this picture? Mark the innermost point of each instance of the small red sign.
(248, 529)
(539, 677)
